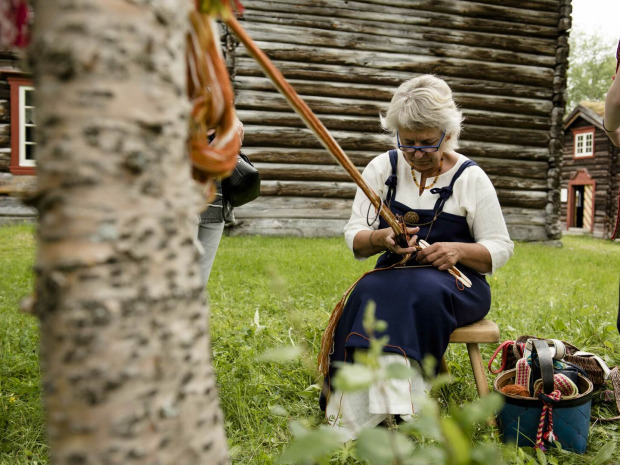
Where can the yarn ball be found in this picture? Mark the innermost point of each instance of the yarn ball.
(515, 390)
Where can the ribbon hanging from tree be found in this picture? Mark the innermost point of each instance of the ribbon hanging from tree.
(14, 16)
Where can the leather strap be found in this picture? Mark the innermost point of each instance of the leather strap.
(546, 364)
(558, 348)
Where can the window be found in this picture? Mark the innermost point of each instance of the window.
(584, 143)
(23, 126)
(26, 130)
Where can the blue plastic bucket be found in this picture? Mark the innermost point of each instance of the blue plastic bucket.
(518, 420)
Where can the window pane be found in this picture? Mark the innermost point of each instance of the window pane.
(29, 97)
(30, 116)
(579, 144)
(30, 148)
(29, 134)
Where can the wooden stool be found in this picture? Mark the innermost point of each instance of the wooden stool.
(472, 335)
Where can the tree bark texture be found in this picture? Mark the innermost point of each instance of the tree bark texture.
(127, 374)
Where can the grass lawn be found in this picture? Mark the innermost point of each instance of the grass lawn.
(274, 292)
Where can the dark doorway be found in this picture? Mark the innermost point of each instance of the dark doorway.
(579, 203)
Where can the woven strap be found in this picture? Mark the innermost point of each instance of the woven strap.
(560, 383)
(503, 347)
(614, 375)
(522, 375)
(546, 416)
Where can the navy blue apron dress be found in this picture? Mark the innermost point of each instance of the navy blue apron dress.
(421, 305)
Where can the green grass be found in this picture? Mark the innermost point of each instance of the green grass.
(274, 292)
(22, 438)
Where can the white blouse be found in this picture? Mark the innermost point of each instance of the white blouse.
(473, 197)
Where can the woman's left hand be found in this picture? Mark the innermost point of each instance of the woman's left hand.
(442, 255)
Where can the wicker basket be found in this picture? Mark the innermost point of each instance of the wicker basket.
(519, 418)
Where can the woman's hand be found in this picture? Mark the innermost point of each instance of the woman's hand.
(442, 255)
(368, 243)
(387, 239)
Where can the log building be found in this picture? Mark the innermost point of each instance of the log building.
(590, 173)
(17, 126)
(506, 64)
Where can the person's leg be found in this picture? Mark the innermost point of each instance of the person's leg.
(209, 235)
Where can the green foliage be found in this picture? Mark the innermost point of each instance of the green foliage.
(592, 63)
(221, 8)
(267, 293)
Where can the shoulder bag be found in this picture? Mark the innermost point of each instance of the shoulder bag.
(243, 184)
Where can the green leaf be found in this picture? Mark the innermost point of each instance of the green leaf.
(542, 458)
(380, 326)
(379, 446)
(478, 411)
(278, 410)
(280, 355)
(369, 317)
(428, 422)
(311, 391)
(353, 377)
(399, 371)
(311, 445)
(457, 445)
(604, 454)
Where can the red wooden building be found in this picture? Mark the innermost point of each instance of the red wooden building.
(590, 173)
(17, 139)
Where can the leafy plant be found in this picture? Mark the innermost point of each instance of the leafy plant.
(430, 438)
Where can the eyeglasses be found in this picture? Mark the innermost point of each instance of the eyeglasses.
(423, 148)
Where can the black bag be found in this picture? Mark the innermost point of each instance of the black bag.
(243, 184)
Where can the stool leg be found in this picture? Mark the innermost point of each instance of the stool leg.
(478, 368)
(443, 366)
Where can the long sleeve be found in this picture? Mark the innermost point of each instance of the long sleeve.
(484, 215)
(474, 197)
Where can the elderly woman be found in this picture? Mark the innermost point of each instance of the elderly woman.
(445, 199)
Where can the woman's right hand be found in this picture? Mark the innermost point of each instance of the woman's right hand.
(387, 240)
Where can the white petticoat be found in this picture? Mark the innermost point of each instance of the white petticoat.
(350, 412)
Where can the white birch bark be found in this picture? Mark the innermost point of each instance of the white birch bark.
(125, 353)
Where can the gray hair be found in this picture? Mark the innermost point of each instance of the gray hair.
(424, 102)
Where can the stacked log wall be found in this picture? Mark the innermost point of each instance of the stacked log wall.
(505, 63)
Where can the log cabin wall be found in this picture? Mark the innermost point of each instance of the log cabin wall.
(505, 63)
(603, 169)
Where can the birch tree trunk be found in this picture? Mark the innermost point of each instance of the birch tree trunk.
(124, 339)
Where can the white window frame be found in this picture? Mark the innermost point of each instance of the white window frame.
(23, 161)
(583, 137)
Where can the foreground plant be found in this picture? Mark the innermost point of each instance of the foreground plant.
(430, 438)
